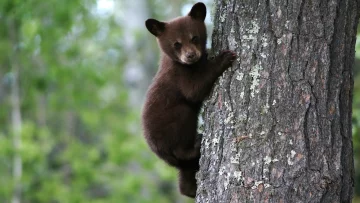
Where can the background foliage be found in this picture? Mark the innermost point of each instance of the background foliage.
(81, 68)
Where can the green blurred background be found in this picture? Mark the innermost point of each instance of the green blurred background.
(73, 75)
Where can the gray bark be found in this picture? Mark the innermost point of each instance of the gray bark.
(278, 123)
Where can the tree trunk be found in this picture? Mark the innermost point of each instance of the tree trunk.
(278, 123)
(16, 120)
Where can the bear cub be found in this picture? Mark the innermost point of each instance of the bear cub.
(173, 101)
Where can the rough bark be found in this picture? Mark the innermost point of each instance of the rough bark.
(278, 123)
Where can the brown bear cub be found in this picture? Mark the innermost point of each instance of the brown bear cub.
(174, 99)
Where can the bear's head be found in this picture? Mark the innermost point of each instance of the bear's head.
(183, 39)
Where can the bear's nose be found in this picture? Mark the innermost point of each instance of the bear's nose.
(190, 55)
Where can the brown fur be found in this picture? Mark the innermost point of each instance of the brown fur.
(174, 99)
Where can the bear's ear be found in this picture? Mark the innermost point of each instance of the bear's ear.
(155, 27)
(198, 11)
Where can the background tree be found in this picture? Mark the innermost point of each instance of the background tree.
(278, 124)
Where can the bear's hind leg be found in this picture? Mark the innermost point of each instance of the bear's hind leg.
(187, 182)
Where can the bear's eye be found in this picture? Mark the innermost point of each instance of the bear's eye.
(195, 39)
(177, 45)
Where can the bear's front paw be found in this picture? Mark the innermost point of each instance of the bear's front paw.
(226, 58)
